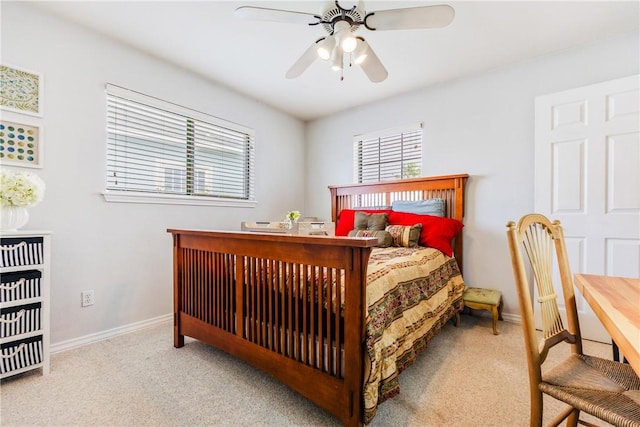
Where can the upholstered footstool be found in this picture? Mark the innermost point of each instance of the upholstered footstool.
(485, 299)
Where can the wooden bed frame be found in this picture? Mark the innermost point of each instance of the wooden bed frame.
(274, 300)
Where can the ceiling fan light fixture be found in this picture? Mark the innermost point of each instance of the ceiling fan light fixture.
(341, 22)
(325, 47)
(349, 43)
(346, 39)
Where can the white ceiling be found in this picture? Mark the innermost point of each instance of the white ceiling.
(252, 57)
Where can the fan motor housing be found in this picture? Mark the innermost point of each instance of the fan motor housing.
(353, 16)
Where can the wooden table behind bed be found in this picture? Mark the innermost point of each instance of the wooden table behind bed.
(275, 300)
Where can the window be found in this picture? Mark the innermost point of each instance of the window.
(158, 152)
(388, 154)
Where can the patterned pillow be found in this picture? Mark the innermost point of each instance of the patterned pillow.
(384, 237)
(370, 221)
(405, 235)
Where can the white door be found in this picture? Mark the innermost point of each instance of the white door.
(587, 175)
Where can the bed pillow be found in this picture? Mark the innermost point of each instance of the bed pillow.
(370, 221)
(405, 235)
(436, 232)
(433, 207)
(346, 219)
(384, 237)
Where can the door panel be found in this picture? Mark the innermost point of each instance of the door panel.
(587, 175)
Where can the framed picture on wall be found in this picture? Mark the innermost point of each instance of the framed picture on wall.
(21, 90)
(20, 144)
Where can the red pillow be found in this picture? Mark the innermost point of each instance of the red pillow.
(437, 232)
(346, 219)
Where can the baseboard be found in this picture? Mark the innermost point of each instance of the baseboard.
(111, 333)
(513, 318)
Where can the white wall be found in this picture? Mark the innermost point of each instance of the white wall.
(122, 251)
(482, 125)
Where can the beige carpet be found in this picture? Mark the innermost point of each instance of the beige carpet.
(466, 377)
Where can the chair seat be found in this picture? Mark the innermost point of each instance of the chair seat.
(603, 388)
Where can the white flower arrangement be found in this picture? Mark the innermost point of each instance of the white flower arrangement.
(22, 189)
(292, 216)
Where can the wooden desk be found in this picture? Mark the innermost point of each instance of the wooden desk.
(616, 302)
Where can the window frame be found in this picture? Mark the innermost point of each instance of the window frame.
(389, 133)
(150, 197)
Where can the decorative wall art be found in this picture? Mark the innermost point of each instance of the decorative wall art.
(20, 144)
(20, 90)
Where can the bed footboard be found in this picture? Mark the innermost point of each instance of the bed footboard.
(289, 305)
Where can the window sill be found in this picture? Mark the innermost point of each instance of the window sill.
(173, 199)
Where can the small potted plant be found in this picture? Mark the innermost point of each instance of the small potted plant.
(292, 217)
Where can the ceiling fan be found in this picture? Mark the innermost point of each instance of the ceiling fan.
(342, 44)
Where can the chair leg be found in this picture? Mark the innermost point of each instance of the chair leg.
(573, 418)
(535, 419)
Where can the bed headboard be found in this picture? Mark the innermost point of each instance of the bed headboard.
(450, 188)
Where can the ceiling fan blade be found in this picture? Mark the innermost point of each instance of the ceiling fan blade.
(303, 62)
(372, 66)
(410, 18)
(276, 15)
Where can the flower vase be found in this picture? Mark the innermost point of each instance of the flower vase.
(13, 218)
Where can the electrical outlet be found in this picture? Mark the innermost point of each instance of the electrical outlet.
(88, 298)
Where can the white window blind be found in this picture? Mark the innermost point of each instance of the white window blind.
(159, 148)
(389, 154)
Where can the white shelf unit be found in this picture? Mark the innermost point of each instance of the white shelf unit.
(25, 270)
